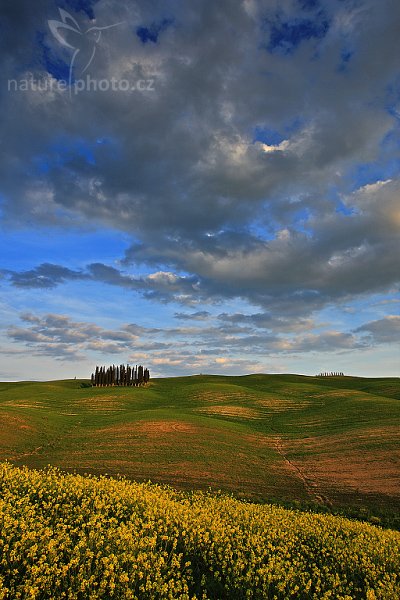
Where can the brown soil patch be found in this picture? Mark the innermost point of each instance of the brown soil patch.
(13, 431)
(29, 405)
(9, 422)
(151, 428)
(336, 394)
(275, 405)
(362, 472)
(232, 411)
(161, 427)
(337, 463)
(359, 462)
(346, 441)
(225, 396)
(100, 404)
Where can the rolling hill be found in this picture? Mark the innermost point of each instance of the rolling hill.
(332, 442)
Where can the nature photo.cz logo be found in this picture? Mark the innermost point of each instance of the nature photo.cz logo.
(83, 43)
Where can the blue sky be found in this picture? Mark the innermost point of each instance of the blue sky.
(224, 197)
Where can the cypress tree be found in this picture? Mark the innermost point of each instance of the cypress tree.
(122, 375)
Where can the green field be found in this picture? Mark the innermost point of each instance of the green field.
(328, 442)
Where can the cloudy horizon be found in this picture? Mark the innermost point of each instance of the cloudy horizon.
(209, 187)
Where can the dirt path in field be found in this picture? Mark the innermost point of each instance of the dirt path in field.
(309, 484)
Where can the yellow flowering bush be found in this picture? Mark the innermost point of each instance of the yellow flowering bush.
(82, 537)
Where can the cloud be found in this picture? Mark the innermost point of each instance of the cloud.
(340, 258)
(200, 315)
(291, 277)
(382, 331)
(267, 321)
(44, 276)
(63, 338)
(207, 173)
(163, 286)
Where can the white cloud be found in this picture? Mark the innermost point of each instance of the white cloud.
(282, 147)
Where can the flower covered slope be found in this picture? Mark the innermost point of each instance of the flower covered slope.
(70, 536)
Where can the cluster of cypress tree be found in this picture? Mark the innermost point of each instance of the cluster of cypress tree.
(122, 375)
(332, 374)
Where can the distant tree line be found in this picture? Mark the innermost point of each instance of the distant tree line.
(121, 375)
(331, 374)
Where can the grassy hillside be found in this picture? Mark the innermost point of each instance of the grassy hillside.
(333, 442)
(67, 536)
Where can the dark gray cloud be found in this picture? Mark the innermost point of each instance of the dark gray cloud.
(163, 286)
(343, 257)
(295, 273)
(340, 257)
(382, 331)
(267, 321)
(43, 276)
(215, 83)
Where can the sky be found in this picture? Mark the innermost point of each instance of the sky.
(199, 187)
